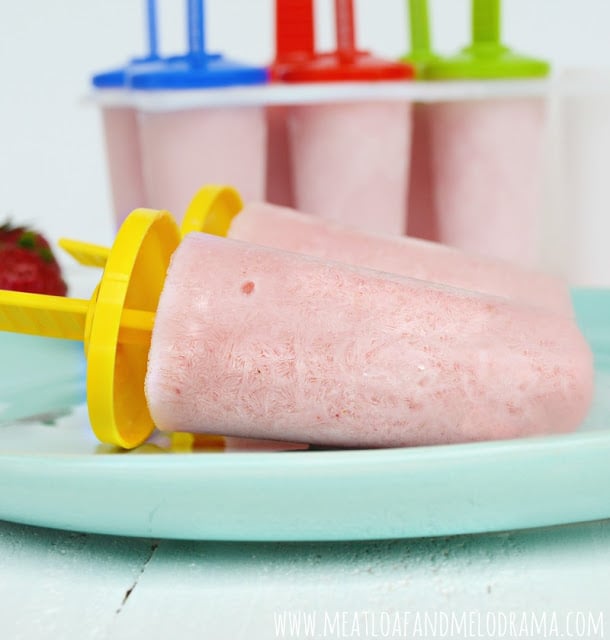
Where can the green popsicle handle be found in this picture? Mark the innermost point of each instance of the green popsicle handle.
(419, 30)
(486, 23)
(486, 58)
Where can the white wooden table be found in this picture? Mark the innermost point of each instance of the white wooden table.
(56, 584)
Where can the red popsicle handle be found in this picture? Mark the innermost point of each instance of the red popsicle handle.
(296, 60)
(345, 29)
(294, 30)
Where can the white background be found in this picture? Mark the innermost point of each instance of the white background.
(52, 169)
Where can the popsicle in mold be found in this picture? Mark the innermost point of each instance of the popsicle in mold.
(240, 340)
(350, 158)
(220, 210)
(120, 125)
(486, 154)
(184, 146)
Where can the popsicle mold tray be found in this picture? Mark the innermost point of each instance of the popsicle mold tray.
(336, 134)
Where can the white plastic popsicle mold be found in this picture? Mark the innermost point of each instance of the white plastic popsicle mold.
(314, 93)
(578, 190)
(277, 94)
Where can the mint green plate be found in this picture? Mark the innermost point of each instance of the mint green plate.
(53, 473)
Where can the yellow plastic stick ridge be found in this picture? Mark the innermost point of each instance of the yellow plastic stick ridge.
(212, 210)
(119, 338)
(89, 255)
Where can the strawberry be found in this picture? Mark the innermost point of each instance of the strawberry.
(27, 263)
(22, 237)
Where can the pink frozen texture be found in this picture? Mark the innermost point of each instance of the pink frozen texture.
(350, 162)
(255, 342)
(488, 173)
(287, 229)
(181, 150)
(124, 161)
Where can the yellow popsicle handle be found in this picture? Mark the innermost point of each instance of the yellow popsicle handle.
(136, 327)
(65, 318)
(42, 315)
(120, 329)
(210, 211)
(115, 325)
(85, 253)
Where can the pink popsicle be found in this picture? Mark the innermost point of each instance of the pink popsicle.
(124, 163)
(287, 229)
(487, 165)
(183, 145)
(252, 341)
(180, 149)
(350, 159)
(121, 132)
(486, 153)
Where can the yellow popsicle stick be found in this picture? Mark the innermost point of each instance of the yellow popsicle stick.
(41, 315)
(210, 211)
(85, 253)
(65, 318)
(115, 325)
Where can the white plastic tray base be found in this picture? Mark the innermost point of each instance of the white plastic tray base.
(285, 94)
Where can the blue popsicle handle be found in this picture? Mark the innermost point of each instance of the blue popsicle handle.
(196, 28)
(153, 40)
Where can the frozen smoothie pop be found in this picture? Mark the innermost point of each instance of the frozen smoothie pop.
(220, 211)
(487, 154)
(350, 159)
(283, 346)
(294, 42)
(277, 345)
(183, 147)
